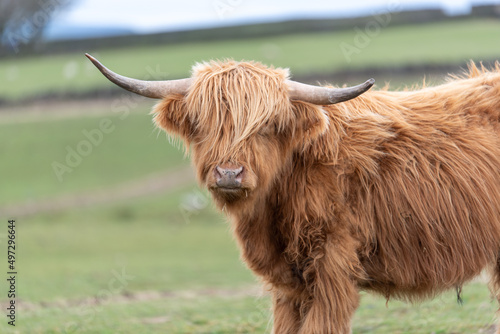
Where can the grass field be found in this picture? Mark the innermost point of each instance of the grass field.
(131, 148)
(446, 42)
(167, 263)
(179, 275)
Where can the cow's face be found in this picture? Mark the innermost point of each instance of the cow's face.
(239, 121)
(240, 126)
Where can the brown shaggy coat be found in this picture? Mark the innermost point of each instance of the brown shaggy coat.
(393, 192)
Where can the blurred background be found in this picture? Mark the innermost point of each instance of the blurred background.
(114, 236)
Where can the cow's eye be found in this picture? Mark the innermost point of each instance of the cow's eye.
(267, 130)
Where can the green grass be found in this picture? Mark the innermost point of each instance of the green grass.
(130, 150)
(151, 239)
(445, 42)
(65, 259)
(214, 315)
(233, 315)
(442, 315)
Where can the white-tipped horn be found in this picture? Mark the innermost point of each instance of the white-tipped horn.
(152, 89)
(323, 95)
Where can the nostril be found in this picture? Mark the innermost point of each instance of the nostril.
(219, 173)
(238, 172)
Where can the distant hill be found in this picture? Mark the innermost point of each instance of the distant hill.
(67, 31)
(63, 38)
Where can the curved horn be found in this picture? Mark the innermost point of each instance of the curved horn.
(324, 95)
(152, 89)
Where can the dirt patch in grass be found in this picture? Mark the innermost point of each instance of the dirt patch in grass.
(141, 296)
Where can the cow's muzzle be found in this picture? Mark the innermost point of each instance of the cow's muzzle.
(228, 178)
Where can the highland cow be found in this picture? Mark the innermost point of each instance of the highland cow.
(335, 190)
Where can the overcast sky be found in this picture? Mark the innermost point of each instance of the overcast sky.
(158, 15)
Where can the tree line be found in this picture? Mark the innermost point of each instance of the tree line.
(22, 21)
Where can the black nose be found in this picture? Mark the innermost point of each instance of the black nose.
(228, 177)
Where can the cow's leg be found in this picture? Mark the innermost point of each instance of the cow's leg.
(333, 294)
(286, 314)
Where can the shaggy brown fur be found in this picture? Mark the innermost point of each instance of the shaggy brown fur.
(393, 192)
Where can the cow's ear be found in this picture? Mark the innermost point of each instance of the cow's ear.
(171, 115)
(311, 121)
